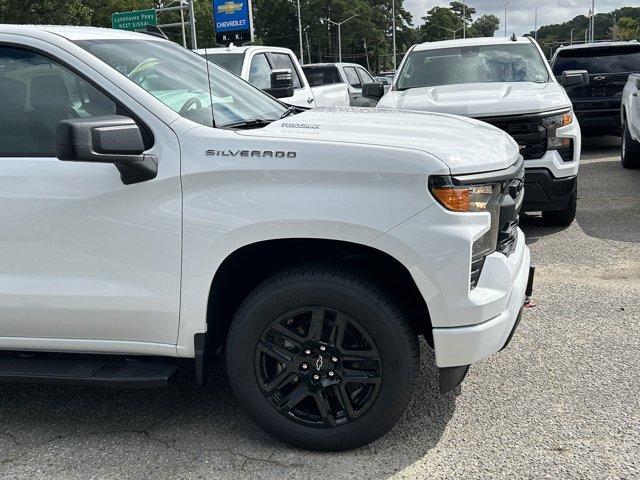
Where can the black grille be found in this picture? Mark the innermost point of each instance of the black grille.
(527, 131)
(509, 215)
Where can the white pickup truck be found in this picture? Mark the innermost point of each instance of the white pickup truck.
(257, 65)
(630, 121)
(508, 83)
(155, 207)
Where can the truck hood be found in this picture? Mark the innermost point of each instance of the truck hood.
(480, 99)
(464, 145)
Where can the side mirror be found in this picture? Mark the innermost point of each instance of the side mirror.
(106, 139)
(574, 78)
(374, 91)
(281, 83)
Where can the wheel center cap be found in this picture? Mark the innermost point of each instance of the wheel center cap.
(321, 363)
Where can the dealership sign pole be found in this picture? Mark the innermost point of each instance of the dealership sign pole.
(232, 20)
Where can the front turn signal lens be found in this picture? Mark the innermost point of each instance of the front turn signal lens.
(465, 198)
(452, 198)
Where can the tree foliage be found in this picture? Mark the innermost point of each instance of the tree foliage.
(627, 20)
(443, 23)
(63, 12)
(485, 26)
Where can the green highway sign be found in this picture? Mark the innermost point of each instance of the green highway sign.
(136, 20)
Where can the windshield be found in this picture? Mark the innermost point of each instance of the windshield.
(230, 61)
(186, 82)
(473, 64)
(599, 60)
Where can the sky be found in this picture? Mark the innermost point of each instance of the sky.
(520, 13)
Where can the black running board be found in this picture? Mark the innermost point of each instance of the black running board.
(126, 374)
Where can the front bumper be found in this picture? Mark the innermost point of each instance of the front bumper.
(598, 116)
(543, 192)
(465, 345)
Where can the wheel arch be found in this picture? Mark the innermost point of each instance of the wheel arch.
(237, 276)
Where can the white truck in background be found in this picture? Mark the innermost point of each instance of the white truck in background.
(508, 83)
(352, 75)
(259, 64)
(630, 117)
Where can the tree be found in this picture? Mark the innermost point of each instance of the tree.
(485, 26)
(52, 12)
(460, 9)
(440, 23)
(627, 29)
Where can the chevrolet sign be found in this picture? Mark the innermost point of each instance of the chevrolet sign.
(232, 21)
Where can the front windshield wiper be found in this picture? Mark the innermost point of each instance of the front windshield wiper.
(292, 110)
(255, 123)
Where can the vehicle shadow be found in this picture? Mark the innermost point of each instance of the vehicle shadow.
(609, 203)
(75, 432)
(534, 229)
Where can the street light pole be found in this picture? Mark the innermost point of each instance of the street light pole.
(505, 17)
(339, 24)
(571, 35)
(393, 35)
(192, 21)
(535, 31)
(300, 34)
(464, 19)
(593, 20)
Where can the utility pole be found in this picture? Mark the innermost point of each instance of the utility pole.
(366, 53)
(300, 34)
(505, 17)
(192, 21)
(464, 19)
(393, 14)
(571, 35)
(184, 34)
(593, 20)
(306, 34)
(586, 35)
(535, 31)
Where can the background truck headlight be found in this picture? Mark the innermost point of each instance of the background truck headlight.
(564, 146)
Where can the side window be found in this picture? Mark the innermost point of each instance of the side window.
(260, 72)
(352, 77)
(283, 60)
(365, 77)
(37, 93)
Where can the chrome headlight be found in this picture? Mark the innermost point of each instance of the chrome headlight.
(552, 123)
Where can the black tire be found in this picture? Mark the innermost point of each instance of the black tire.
(629, 148)
(563, 218)
(375, 315)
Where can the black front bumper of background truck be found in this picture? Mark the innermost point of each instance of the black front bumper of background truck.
(545, 193)
(451, 377)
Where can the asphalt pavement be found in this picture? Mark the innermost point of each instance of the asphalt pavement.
(562, 401)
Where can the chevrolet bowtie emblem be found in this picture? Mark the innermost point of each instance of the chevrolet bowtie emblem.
(229, 7)
(319, 363)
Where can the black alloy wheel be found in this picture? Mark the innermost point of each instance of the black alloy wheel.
(322, 358)
(318, 366)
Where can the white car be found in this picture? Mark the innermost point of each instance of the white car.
(506, 82)
(353, 75)
(155, 206)
(630, 121)
(257, 65)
